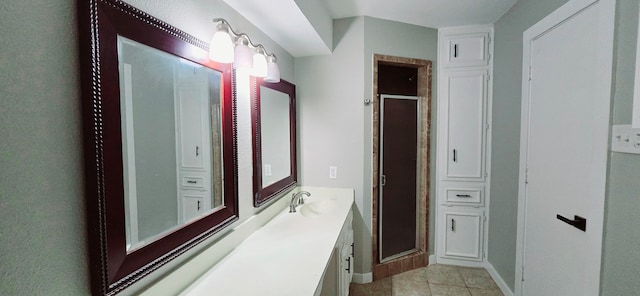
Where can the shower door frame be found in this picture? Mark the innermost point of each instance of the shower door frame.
(382, 177)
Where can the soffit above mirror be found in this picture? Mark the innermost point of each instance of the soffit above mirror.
(301, 27)
(426, 13)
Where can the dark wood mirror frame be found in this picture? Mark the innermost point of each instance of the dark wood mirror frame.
(263, 194)
(113, 268)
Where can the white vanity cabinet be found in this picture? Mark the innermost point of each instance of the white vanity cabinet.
(308, 252)
(346, 249)
(339, 272)
(463, 148)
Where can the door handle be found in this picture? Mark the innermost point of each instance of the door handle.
(383, 180)
(577, 222)
(455, 50)
(453, 225)
(455, 155)
(197, 151)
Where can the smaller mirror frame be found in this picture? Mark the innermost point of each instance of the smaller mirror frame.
(262, 194)
(114, 268)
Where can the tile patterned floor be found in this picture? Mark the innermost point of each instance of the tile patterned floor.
(434, 280)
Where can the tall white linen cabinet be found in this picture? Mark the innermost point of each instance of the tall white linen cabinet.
(464, 144)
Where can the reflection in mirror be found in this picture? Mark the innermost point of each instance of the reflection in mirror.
(160, 146)
(274, 131)
(274, 124)
(171, 141)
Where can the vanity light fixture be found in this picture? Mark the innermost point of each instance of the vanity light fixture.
(222, 50)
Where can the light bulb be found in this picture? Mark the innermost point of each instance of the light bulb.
(259, 63)
(242, 54)
(221, 47)
(273, 71)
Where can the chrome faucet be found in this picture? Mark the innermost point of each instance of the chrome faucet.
(297, 199)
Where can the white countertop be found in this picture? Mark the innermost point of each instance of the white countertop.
(287, 256)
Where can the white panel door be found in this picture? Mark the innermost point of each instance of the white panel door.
(564, 149)
(465, 94)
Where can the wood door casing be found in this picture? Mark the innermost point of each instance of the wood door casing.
(424, 86)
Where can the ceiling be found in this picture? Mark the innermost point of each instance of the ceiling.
(426, 13)
(303, 27)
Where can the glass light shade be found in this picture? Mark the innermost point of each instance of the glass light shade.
(273, 71)
(259, 64)
(221, 47)
(242, 56)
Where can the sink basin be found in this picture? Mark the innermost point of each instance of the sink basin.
(312, 208)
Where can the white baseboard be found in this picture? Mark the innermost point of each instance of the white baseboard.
(498, 279)
(363, 278)
(432, 259)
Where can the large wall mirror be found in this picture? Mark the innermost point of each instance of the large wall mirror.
(161, 166)
(274, 132)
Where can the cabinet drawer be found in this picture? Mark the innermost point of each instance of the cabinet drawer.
(192, 182)
(467, 196)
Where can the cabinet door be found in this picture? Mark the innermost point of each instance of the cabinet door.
(193, 204)
(463, 236)
(192, 125)
(464, 109)
(464, 50)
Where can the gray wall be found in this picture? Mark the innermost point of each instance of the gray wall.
(43, 248)
(410, 41)
(622, 235)
(335, 125)
(42, 237)
(330, 112)
(621, 238)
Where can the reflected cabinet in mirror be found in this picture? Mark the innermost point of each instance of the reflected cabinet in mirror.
(274, 131)
(159, 142)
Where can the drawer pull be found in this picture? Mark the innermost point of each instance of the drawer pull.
(348, 269)
(352, 249)
(192, 182)
(455, 50)
(453, 225)
(455, 155)
(463, 195)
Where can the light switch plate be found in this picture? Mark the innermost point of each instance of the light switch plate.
(625, 139)
(267, 170)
